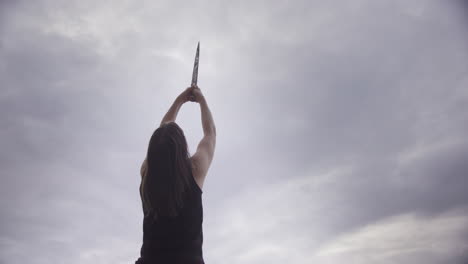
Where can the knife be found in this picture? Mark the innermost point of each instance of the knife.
(195, 66)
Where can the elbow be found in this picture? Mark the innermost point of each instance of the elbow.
(211, 131)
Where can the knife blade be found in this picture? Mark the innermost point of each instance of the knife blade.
(195, 66)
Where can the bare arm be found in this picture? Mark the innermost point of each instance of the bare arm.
(205, 151)
(184, 97)
(171, 114)
(209, 128)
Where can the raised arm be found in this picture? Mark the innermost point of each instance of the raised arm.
(205, 151)
(209, 128)
(171, 114)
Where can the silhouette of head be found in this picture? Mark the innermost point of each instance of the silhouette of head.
(169, 168)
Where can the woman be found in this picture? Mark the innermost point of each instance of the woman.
(171, 188)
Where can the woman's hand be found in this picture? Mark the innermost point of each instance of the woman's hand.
(197, 95)
(187, 95)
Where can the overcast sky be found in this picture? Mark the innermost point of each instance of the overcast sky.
(341, 127)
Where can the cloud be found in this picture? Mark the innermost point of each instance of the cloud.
(301, 221)
(407, 238)
(281, 221)
(336, 122)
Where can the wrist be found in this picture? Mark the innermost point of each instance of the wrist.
(201, 99)
(179, 100)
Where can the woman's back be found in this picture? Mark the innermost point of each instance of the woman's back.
(175, 239)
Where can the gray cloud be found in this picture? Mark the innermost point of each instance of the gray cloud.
(336, 122)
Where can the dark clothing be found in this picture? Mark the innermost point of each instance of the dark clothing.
(173, 240)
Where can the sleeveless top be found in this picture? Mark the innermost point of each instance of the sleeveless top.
(179, 239)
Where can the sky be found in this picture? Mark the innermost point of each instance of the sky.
(340, 127)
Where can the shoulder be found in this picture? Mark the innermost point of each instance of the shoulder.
(143, 168)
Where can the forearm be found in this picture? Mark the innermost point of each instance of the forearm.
(171, 114)
(208, 125)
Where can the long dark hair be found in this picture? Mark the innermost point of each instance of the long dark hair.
(167, 177)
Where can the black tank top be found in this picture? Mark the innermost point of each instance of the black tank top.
(172, 240)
